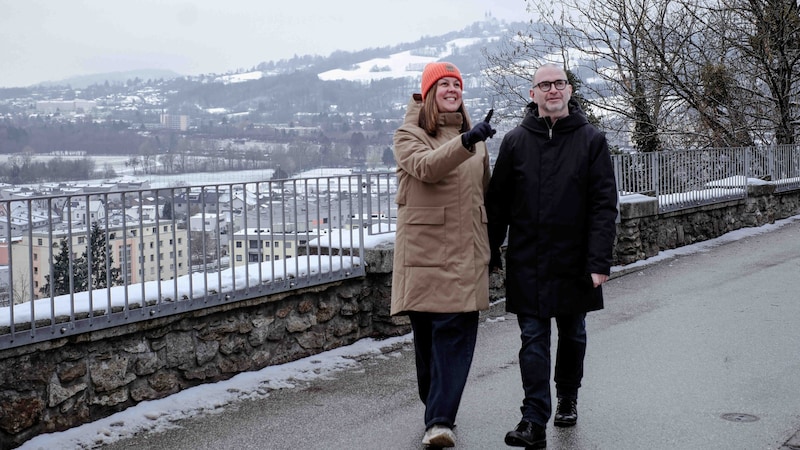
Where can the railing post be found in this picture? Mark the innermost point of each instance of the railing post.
(773, 175)
(655, 178)
(748, 168)
(361, 188)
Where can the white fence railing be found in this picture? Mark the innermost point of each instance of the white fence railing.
(687, 178)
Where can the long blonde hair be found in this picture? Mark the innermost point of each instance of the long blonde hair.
(429, 114)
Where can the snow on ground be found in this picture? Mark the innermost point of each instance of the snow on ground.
(240, 77)
(156, 415)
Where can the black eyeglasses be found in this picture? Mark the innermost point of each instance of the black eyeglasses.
(545, 86)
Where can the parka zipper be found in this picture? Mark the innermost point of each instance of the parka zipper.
(549, 127)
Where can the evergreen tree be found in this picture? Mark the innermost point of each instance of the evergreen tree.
(388, 157)
(279, 174)
(358, 146)
(166, 211)
(61, 273)
(102, 271)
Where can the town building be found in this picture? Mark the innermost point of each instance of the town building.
(175, 122)
(76, 106)
(263, 244)
(147, 252)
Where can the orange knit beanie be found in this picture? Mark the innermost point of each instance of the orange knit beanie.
(435, 71)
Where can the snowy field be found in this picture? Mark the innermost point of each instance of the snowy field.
(116, 162)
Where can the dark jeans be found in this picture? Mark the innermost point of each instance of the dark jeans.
(534, 362)
(444, 345)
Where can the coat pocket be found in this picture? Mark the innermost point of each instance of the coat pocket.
(425, 237)
(482, 239)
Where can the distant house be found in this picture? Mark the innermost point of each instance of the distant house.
(129, 184)
(189, 204)
(16, 193)
(240, 201)
(209, 223)
(143, 212)
(18, 220)
(79, 211)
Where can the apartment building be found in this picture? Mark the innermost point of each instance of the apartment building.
(258, 245)
(175, 121)
(76, 106)
(143, 253)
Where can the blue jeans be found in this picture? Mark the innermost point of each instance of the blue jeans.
(443, 345)
(534, 362)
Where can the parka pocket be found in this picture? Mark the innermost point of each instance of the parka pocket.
(483, 254)
(425, 237)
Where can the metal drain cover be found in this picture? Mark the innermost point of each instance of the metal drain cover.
(739, 417)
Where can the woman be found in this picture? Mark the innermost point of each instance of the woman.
(440, 278)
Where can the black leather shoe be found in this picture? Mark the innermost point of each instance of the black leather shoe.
(528, 435)
(566, 413)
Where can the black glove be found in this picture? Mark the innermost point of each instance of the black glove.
(478, 133)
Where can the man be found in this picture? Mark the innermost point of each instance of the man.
(553, 192)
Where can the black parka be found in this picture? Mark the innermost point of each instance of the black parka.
(553, 192)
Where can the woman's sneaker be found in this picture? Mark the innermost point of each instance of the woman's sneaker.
(439, 436)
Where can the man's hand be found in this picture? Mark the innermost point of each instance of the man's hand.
(598, 279)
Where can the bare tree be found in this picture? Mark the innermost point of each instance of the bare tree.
(766, 35)
(694, 68)
(133, 161)
(734, 66)
(670, 72)
(21, 290)
(147, 154)
(204, 247)
(167, 161)
(602, 40)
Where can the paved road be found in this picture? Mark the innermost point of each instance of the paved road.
(681, 343)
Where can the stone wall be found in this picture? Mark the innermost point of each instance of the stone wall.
(66, 382)
(643, 232)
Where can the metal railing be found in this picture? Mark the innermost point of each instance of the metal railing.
(688, 178)
(72, 262)
(76, 262)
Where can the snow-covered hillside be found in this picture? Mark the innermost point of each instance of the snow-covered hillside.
(400, 65)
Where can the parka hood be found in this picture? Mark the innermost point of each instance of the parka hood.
(448, 118)
(533, 122)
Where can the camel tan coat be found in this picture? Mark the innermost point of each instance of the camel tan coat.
(442, 249)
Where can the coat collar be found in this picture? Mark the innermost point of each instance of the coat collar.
(445, 119)
(538, 124)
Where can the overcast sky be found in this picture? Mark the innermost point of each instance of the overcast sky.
(45, 40)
